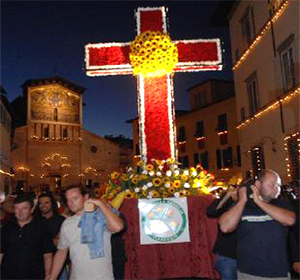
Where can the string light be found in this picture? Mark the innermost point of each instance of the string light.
(182, 142)
(261, 33)
(273, 105)
(22, 168)
(222, 132)
(200, 138)
(290, 164)
(6, 173)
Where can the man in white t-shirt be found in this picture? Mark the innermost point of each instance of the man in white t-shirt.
(83, 267)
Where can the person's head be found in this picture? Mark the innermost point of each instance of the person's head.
(23, 207)
(76, 196)
(47, 204)
(268, 183)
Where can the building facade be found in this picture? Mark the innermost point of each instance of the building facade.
(51, 148)
(207, 134)
(265, 52)
(6, 136)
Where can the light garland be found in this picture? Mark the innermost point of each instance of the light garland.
(260, 34)
(288, 160)
(6, 173)
(273, 105)
(22, 168)
(223, 132)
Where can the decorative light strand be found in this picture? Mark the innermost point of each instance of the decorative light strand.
(270, 107)
(7, 173)
(260, 34)
(289, 164)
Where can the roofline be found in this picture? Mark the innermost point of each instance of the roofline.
(56, 79)
(209, 80)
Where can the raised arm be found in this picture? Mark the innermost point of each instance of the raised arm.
(283, 216)
(229, 220)
(115, 223)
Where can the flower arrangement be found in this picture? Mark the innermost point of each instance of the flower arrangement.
(159, 179)
(153, 54)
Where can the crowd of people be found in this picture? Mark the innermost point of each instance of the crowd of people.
(258, 234)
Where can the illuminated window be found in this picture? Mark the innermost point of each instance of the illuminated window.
(253, 95)
(293, 157)
(258, 160)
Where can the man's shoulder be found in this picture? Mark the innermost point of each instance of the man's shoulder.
(70, 220)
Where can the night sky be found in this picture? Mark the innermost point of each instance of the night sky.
(42, 39)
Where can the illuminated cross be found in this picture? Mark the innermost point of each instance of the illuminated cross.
(155, 94)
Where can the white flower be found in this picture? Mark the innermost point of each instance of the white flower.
(161, 167)
(144, 188)
(158, 174)
(151, 173)
(149, 185)
(187, 185)
(145, 172)
(194, 173)
(175, 166)
(169, 173)
(137, 190)
(129, 169)
(127, 190)
(186, 172)
(176, 172)
(167, 185)
(149, 196)
(177, 194)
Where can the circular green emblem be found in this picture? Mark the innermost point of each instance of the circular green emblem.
(165, 221)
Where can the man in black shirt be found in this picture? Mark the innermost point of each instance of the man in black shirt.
(26, 245)
(261, 221)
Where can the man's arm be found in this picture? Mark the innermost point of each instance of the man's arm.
(1, 257)
(47, 264)
(229, 220)
(115, 223)
(58, 262)
(281, 215)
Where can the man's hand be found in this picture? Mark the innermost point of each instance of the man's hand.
(242, 194)
(256, 196)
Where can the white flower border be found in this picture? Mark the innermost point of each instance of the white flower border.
(141, 9)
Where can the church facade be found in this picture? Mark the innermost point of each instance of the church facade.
(51, 149)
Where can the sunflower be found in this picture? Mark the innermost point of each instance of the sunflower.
(149, 167)
(165, 194)
(182, 193)
(156, 182)
(177, 184)
(171, 190)
(114, 175)
(135, 180)
(144, 193)
(155, 194)
(187, 193)
(129, 195)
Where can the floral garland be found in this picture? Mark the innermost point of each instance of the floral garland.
(159, 179)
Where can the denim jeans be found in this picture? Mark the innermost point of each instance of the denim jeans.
(227, 267)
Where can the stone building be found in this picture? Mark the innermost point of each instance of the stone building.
(265, 53)
(51, 148)
(6, 134)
